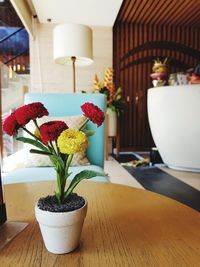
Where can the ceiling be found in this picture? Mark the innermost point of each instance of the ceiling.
(161, 12)
(88, 12)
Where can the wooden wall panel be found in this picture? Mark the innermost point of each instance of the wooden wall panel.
(160, 12)
(135, 47)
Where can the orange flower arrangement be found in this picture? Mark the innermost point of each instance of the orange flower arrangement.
(114, 96)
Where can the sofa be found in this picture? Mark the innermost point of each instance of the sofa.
(59, 105)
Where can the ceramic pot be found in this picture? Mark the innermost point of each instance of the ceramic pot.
(61, 230)
(173, 113)
(112, 122)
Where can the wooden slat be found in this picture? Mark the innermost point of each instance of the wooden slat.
(135, 81)
(180, 13)
(123, 9)
(158, 12)
(138, 7)
(130, 46)
(195, 23)
(166, 12)
(192, 16)
(130, 9)
(147, 8)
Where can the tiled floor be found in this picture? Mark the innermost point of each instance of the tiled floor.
(119, 175)
(190, 178)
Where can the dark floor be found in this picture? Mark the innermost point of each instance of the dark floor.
(156, 180)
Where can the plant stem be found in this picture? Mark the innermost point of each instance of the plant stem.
(62, 175)
(35, 122)
(57, 148)
(69, 160)
(59, 187)
(83, 125)
(34, 136)
(53, 147)
(68, 163)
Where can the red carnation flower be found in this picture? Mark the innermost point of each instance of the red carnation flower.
(10, 125)
(93, 113)
(30, 112)
(50, 131)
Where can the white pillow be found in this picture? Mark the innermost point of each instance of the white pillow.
(73, 122)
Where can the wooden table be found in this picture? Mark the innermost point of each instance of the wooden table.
(124, 227)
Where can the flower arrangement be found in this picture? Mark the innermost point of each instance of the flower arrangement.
(55, 140)
(114, 96)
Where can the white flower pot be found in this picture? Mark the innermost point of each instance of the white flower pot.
(112, 122)
(61, 230)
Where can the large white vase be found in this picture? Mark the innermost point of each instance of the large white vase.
(174, 118)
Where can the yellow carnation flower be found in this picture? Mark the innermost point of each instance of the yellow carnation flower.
(71, 141)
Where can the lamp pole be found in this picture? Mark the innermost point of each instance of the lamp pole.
(74, 73)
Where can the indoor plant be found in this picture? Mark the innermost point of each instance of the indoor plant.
(55, 140)
(114, 96)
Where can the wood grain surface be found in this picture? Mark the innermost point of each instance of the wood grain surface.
(124, 227)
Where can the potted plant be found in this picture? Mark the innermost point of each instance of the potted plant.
(61, 215)
(115, 102)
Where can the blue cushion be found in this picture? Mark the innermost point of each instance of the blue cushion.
(46, 174)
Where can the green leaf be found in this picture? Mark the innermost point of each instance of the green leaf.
(40, 152)
(79, 177)
(58, 198)
(57, 162)
(32, 142)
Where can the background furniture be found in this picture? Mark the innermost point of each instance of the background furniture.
(63, 104)
(174, 120)
(124, 227)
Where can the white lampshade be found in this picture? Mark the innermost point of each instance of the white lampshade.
(72, 40)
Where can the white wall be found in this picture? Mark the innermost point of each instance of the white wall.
(48, 76)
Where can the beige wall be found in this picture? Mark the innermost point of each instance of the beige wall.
(48, 76)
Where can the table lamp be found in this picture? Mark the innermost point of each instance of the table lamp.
(72, 45)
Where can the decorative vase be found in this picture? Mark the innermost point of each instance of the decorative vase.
(112, 122)
(61, 231)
